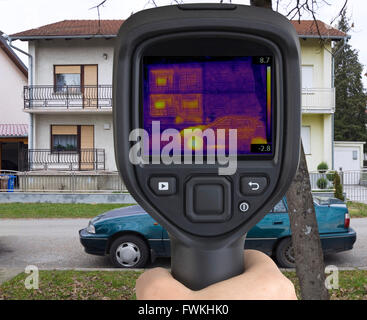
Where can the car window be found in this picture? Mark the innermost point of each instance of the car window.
(279, 207)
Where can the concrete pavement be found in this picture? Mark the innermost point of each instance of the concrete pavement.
(54, 244)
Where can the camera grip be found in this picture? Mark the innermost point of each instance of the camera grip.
(199, 268)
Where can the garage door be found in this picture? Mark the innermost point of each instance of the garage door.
(347, 158)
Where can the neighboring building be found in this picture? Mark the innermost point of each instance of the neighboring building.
(13, 121)
(318, 92)
(71, 93)
(349, 155)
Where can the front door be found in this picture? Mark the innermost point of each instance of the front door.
(87, 154)
(90, 83)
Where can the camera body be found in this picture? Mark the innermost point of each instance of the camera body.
(200, 67)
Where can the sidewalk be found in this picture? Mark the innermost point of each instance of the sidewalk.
(8, 273)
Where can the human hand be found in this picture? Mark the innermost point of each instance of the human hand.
(261, 281)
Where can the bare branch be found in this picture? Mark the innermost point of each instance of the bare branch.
(340, 12)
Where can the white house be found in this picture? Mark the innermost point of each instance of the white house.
(13, 121)
(69, 93)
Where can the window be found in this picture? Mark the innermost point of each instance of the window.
(355, 155)
(306, 139)
(72, 137)
(67, 78)
(307, 77)
(64, 138)
(65, 142)
(76, 79)
(280, 207)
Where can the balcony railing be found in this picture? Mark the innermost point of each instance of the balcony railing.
(68, 97)
(82, 159)
(318, 99)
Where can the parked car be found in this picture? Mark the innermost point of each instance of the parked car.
(132, 238)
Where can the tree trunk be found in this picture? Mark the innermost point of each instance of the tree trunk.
(305, 236)
(262, 3)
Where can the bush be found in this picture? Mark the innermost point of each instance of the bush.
(322, 167)
(322, 183)
(338, 187)
(330, 176)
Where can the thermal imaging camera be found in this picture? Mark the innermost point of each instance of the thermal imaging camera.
(207, 116)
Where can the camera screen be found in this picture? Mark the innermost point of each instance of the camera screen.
(209, 94)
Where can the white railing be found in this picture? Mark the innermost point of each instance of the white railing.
(318, 99)
(61, 181)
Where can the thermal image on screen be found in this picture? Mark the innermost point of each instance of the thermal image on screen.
(211, 93)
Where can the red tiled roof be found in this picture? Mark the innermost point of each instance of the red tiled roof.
(312, 28)
(72, 28)
(13, 130)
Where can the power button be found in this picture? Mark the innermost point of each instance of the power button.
(244, 206)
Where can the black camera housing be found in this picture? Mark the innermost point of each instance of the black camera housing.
(202, 30)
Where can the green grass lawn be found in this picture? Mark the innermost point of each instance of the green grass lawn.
(73, 285)
(352, 285)
(119, 285)
(54, 210)
(357, 210)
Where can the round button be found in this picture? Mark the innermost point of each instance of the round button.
(244, 206)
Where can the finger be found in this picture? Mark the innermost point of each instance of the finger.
(158, 284)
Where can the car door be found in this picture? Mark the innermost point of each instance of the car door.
(273, 226)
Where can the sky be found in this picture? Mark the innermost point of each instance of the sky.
(20, 15)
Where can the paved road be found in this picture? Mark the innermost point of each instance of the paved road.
(54, 243)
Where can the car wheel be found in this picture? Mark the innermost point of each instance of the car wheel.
(129, 251)
(285, 253)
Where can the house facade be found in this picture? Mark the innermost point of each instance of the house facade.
(69, 93)
(13, 121)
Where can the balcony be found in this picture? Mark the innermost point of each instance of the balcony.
(70, 98)
(318, 100)
(82, 159)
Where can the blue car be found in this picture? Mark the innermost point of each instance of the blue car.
(131, 238)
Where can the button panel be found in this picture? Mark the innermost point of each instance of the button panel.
(253, 185)
(163, 186)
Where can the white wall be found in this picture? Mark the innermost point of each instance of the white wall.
(312, 54)
(343, 155)
(12, 81)
(102, 138)
(75, 51)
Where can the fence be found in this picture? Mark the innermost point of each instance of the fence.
(81, 159)
(354, 183)
(69, 97)
(65, 181)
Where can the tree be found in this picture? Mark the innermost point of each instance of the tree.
(306, 242)
(350, 116)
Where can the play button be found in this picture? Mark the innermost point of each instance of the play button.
(163, 186)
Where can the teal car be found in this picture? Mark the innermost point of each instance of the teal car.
(131, 238)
